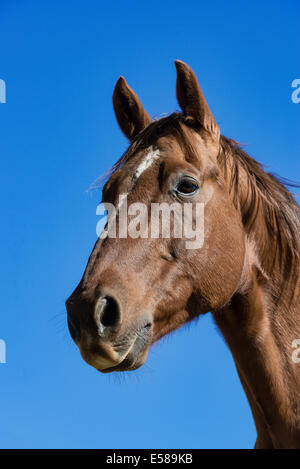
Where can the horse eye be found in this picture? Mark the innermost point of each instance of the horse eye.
(187, 187)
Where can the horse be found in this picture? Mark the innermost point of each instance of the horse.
(137, 289)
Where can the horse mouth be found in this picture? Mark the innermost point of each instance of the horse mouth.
(136, 355)
(125, 365)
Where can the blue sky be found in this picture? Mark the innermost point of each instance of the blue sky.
(60, 61)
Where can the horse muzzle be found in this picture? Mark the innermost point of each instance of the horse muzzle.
(104, 340)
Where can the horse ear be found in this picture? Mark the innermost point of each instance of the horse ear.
(191, 100)
(130, 113)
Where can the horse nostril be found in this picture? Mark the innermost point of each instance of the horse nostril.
(107, 313)
(74, 328)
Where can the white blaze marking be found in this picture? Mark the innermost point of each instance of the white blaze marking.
(146, 163)
(122, 197)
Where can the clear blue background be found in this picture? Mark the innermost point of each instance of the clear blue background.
(60, 61)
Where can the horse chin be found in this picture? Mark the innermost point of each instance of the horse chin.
(126, 365)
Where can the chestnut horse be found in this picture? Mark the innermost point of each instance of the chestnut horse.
(136, 290)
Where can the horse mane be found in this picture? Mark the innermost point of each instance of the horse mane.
(269, 212)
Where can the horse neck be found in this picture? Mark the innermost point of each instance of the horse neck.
(261, 344)
(260, 325)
